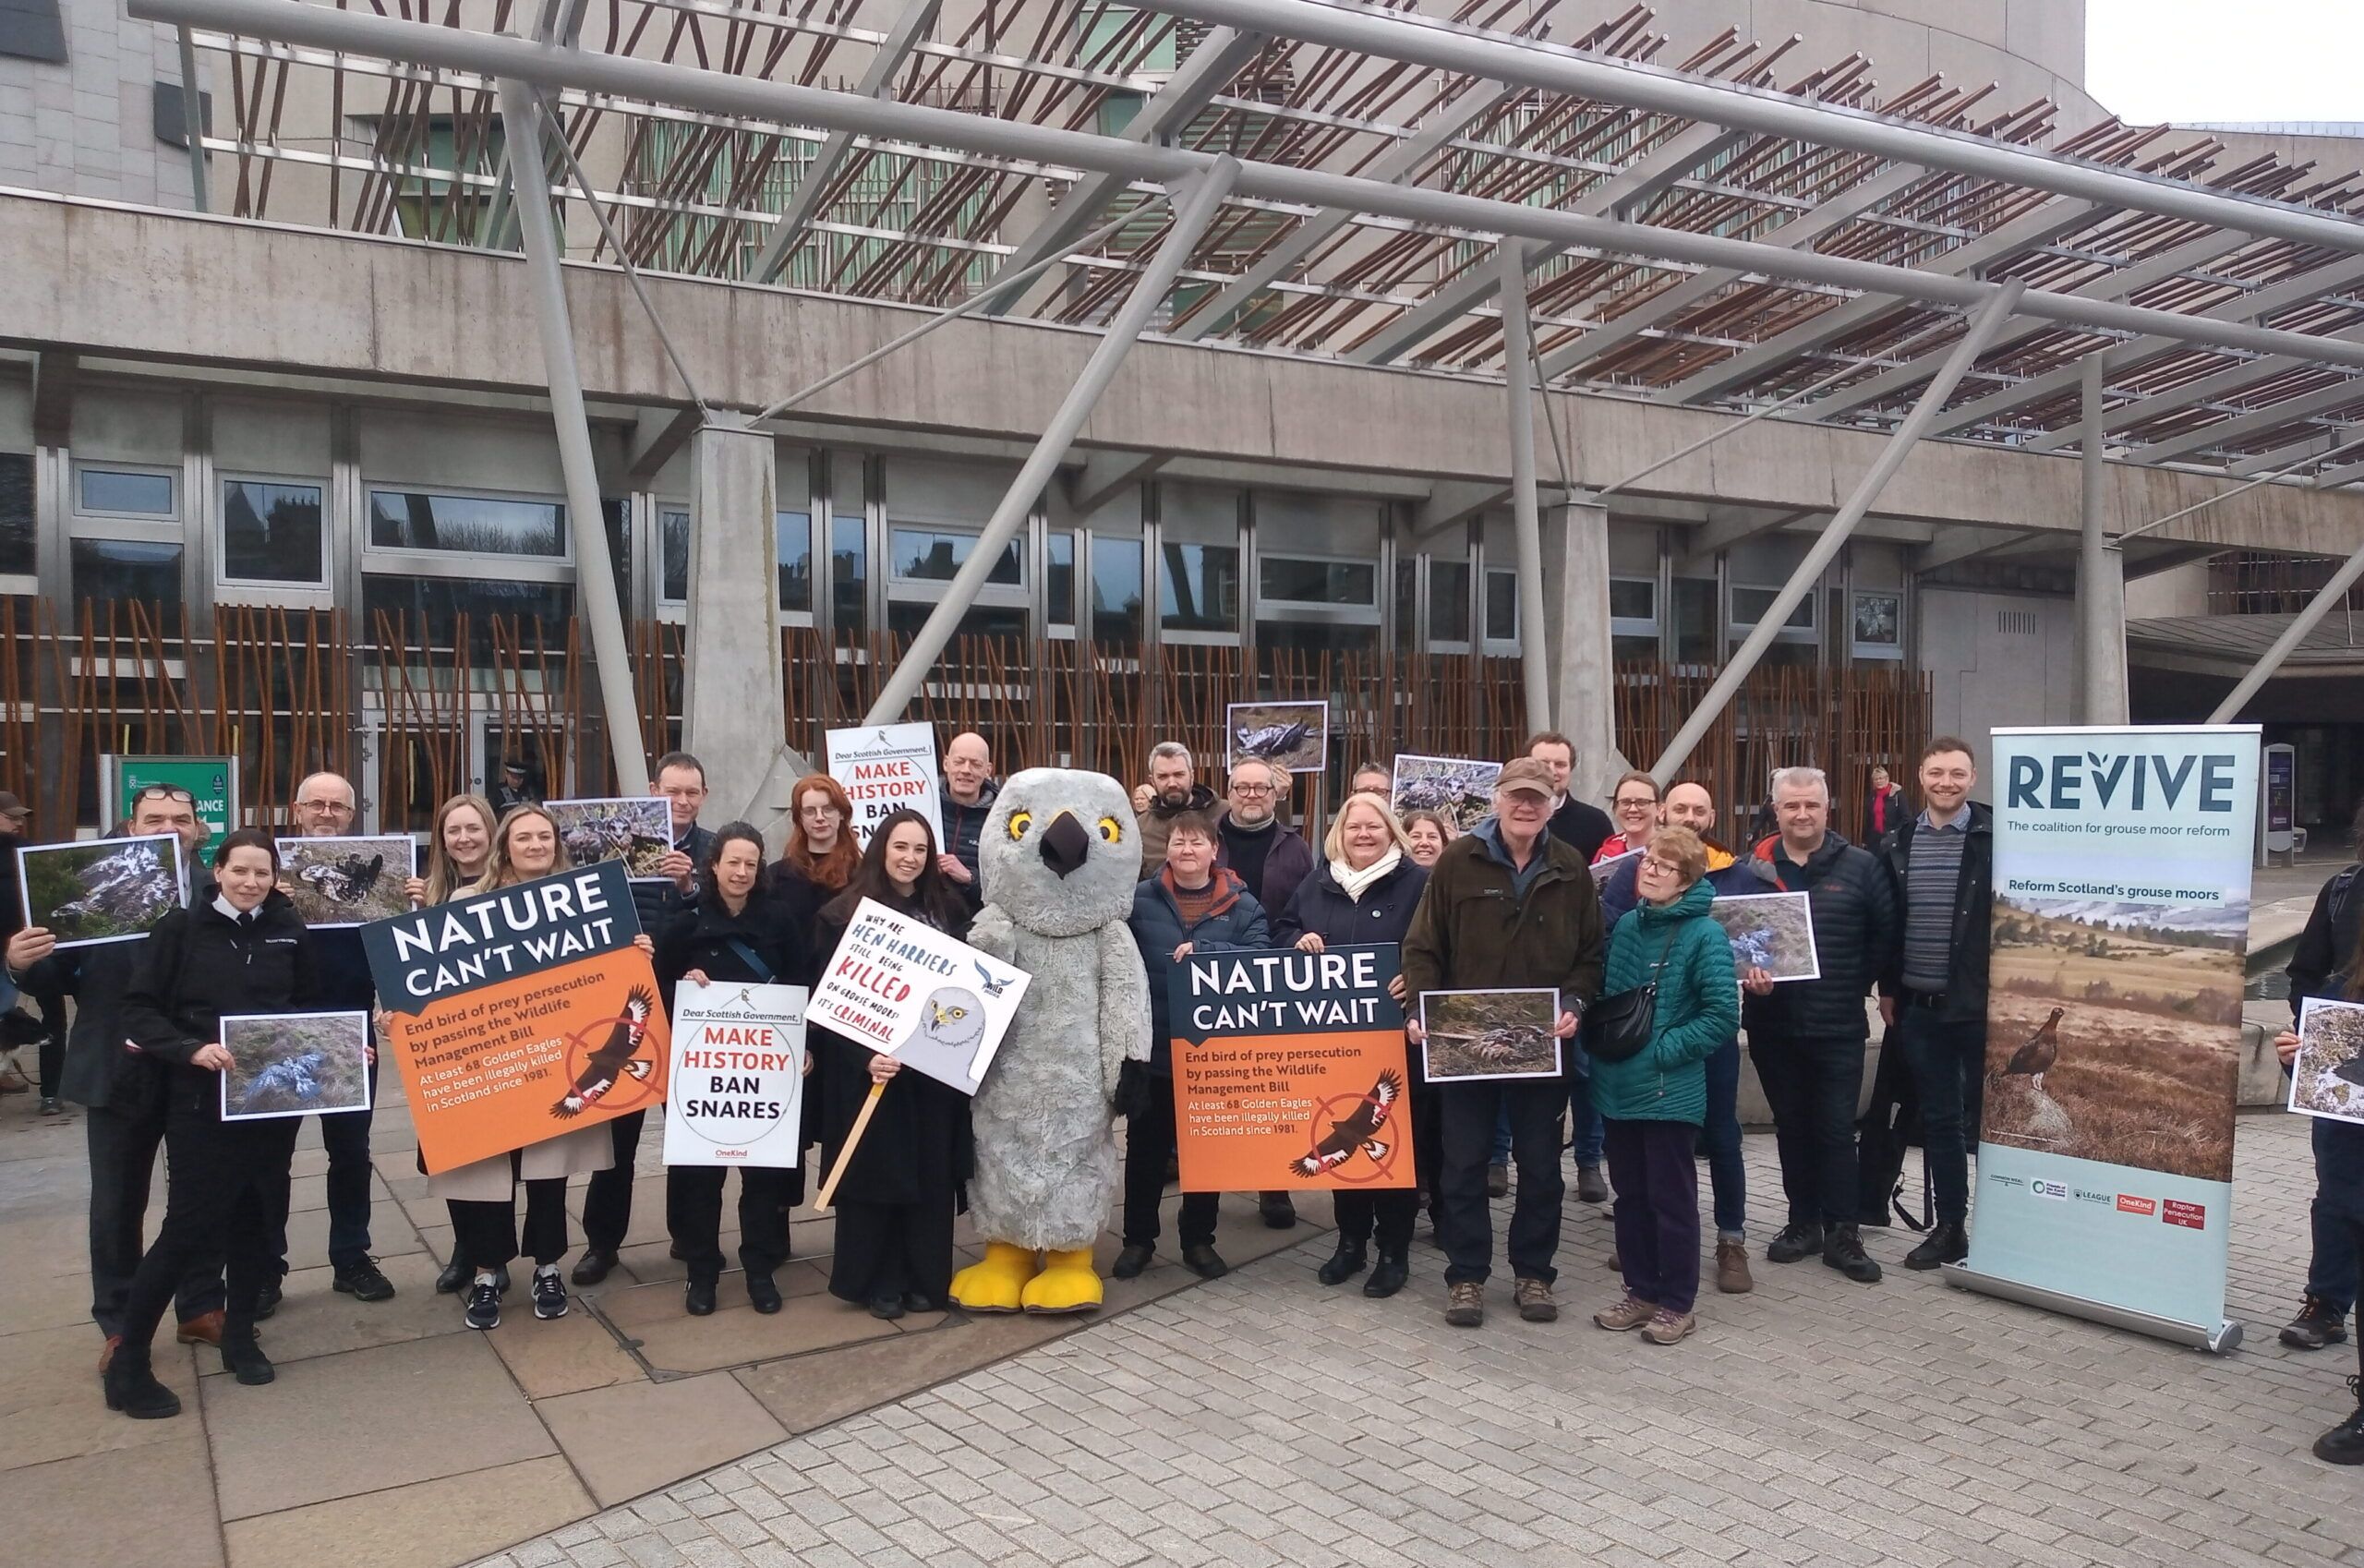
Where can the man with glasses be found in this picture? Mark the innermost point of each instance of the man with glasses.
(123, 1092)
(326, 807)
(607, 1203)
(1272, 857)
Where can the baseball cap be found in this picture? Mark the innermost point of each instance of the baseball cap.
(11, 806)
(1526, 773)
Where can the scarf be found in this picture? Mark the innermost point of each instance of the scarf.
(1354, 884)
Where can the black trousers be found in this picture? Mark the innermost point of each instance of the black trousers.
(225, 1191)
(345, 1136)
(607, 1203)
(694, 1215)
(484, 1234)
(1813, 1085)
(2355, 1241)
(1387, 1212)
(1149, 1143)
(123, 1145)
(52, 1003)
(1465, 1221)
(894, 1250)
(1949, 1063)
(1656, 1176)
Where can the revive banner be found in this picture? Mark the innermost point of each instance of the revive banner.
(2113, 1021)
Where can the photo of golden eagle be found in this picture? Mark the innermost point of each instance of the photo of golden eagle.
(1358, 1130)
(615, 1060)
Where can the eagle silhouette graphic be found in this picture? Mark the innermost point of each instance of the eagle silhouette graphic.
(615, 1059)
(1358, 1130)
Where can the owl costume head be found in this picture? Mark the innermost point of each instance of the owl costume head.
(1060, 855)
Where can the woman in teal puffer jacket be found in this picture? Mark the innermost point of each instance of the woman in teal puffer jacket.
(1653, 1102)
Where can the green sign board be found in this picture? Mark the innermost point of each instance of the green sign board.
(214, 780)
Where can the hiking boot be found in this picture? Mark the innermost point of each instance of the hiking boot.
(1732, 1267)
(1668, 1328)
(2343, 1444)
(697, 1298)
(484, 1303)
(1534, 1303)
(762, 1293)
(1278, 1210)
(1629, 1314)
(1205, 1262)
(1946, 1243)
(591, 1268)
(1132, 1261)
(2318, 1325)
(363, 1280)
(1388, 1275)
(550, 1293)
(1843, 1250)
(1344, 1263)
(1466, 1304)
(203, 1329)
(1498, 1180)
(1591, 1186)
(1796, 1242)
(242, 1357)
(132, 1388)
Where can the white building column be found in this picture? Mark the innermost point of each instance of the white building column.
(1576, 630)
(731, 685)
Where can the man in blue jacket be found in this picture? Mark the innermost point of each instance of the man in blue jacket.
(969, 795)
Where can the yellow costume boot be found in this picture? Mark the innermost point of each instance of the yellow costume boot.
(998, 1284)
(1068, 1283)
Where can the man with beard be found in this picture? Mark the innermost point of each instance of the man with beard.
(1173, 788)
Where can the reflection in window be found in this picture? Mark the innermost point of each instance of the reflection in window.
(270, 532)
(413, 520)
(933, 555)
(127, 569)
(1318, 582)
(673, 552)
(429, 610)
(1449, 601)
(1633, 598)
(15, 513)
(1058, 573)
(792, 547)
(1695, 620)
(115, 490)
(1502, 607)
(905, 618)
(1198, 587)
(1116, 591)
(848, 572)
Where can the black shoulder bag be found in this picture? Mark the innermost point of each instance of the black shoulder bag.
(1619, 1027)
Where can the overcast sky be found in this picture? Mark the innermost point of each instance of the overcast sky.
(2217, 60)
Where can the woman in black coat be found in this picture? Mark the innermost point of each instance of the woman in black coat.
(738, 933)
(1365, 893)
(896, 1199)
(243, 951)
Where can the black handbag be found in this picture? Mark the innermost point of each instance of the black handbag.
(1619, 1027)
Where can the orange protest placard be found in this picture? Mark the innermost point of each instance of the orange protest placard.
(1289, 1071)
(516, 1015)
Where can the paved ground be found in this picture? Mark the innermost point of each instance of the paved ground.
(1264, 1419)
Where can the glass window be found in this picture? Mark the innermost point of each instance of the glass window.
(905, 618)
(1116, 591)
(1749, 605)
(1315, 636)
(933, 555)
(1058, 573)
(15, 513)
(793, 547)
(414, 520)
(270, 532)
(117, 490)
(127, 569)
(1633, 648)
(1449, 601)
(673, 553)
(1502, 607)
(431, 608)
(1197, 588)
(1695, 620)
(1633, 598)
(848, 572)
(1318, 582)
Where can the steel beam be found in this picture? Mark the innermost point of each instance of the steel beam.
(1983, 327)
(193, 120)
(781, 103)
(2101, 576)
(1527, 515)
(909, 28)
(2332, 595)
(2271, 416)
(595, 577)
(1193, 211)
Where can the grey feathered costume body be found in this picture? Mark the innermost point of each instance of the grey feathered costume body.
(1046, 1149)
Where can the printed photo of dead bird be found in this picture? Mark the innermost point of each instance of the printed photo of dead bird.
(101, 889)
(335, 881)
(616, 1058)
(1293, 737)
(2327, 1076)
(1358, 1132)
(635, 830)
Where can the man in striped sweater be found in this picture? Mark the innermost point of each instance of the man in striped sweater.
(1935, 991)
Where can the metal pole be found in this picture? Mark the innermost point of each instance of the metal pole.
(2331, 595)
(595, 577)
(2101, 574)
(193, 120)
(1983, 327)
(623, 76)
(1527, 520)
(1194, 209)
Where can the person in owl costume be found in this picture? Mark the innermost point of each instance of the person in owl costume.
(1058, 862)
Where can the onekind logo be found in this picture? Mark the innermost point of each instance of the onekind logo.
(2058, 782)
(2051, 1189)
(2129, 1204)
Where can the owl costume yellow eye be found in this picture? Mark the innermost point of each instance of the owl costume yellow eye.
(1111, 830)
(1018, 822)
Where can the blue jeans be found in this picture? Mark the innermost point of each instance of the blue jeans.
(1721, 1137)
(1583, 1121)
(2331, 1273)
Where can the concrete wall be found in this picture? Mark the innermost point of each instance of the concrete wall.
(1997, 658)
(88, 127)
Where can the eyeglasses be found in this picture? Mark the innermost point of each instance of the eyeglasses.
(163, 792)
(820, 813)
(1251, 791)
(328, 808)
(1633, 802)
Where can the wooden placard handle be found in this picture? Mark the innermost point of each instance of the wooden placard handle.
(853, 1141)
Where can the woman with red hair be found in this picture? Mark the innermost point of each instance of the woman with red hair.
(821, 856)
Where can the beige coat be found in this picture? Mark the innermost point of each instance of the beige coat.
(488, 1181)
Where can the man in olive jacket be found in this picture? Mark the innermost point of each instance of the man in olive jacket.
(1508, 907)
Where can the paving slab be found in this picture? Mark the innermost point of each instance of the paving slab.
(50, 1406)
(150, 1505)
(576, 1353)
(636, 1437)
(430, 1524)
(672, 1342)
(315, 1318)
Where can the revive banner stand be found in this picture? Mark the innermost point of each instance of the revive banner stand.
(2113, 1024)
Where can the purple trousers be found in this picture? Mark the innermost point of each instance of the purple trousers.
(1651, 1165)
